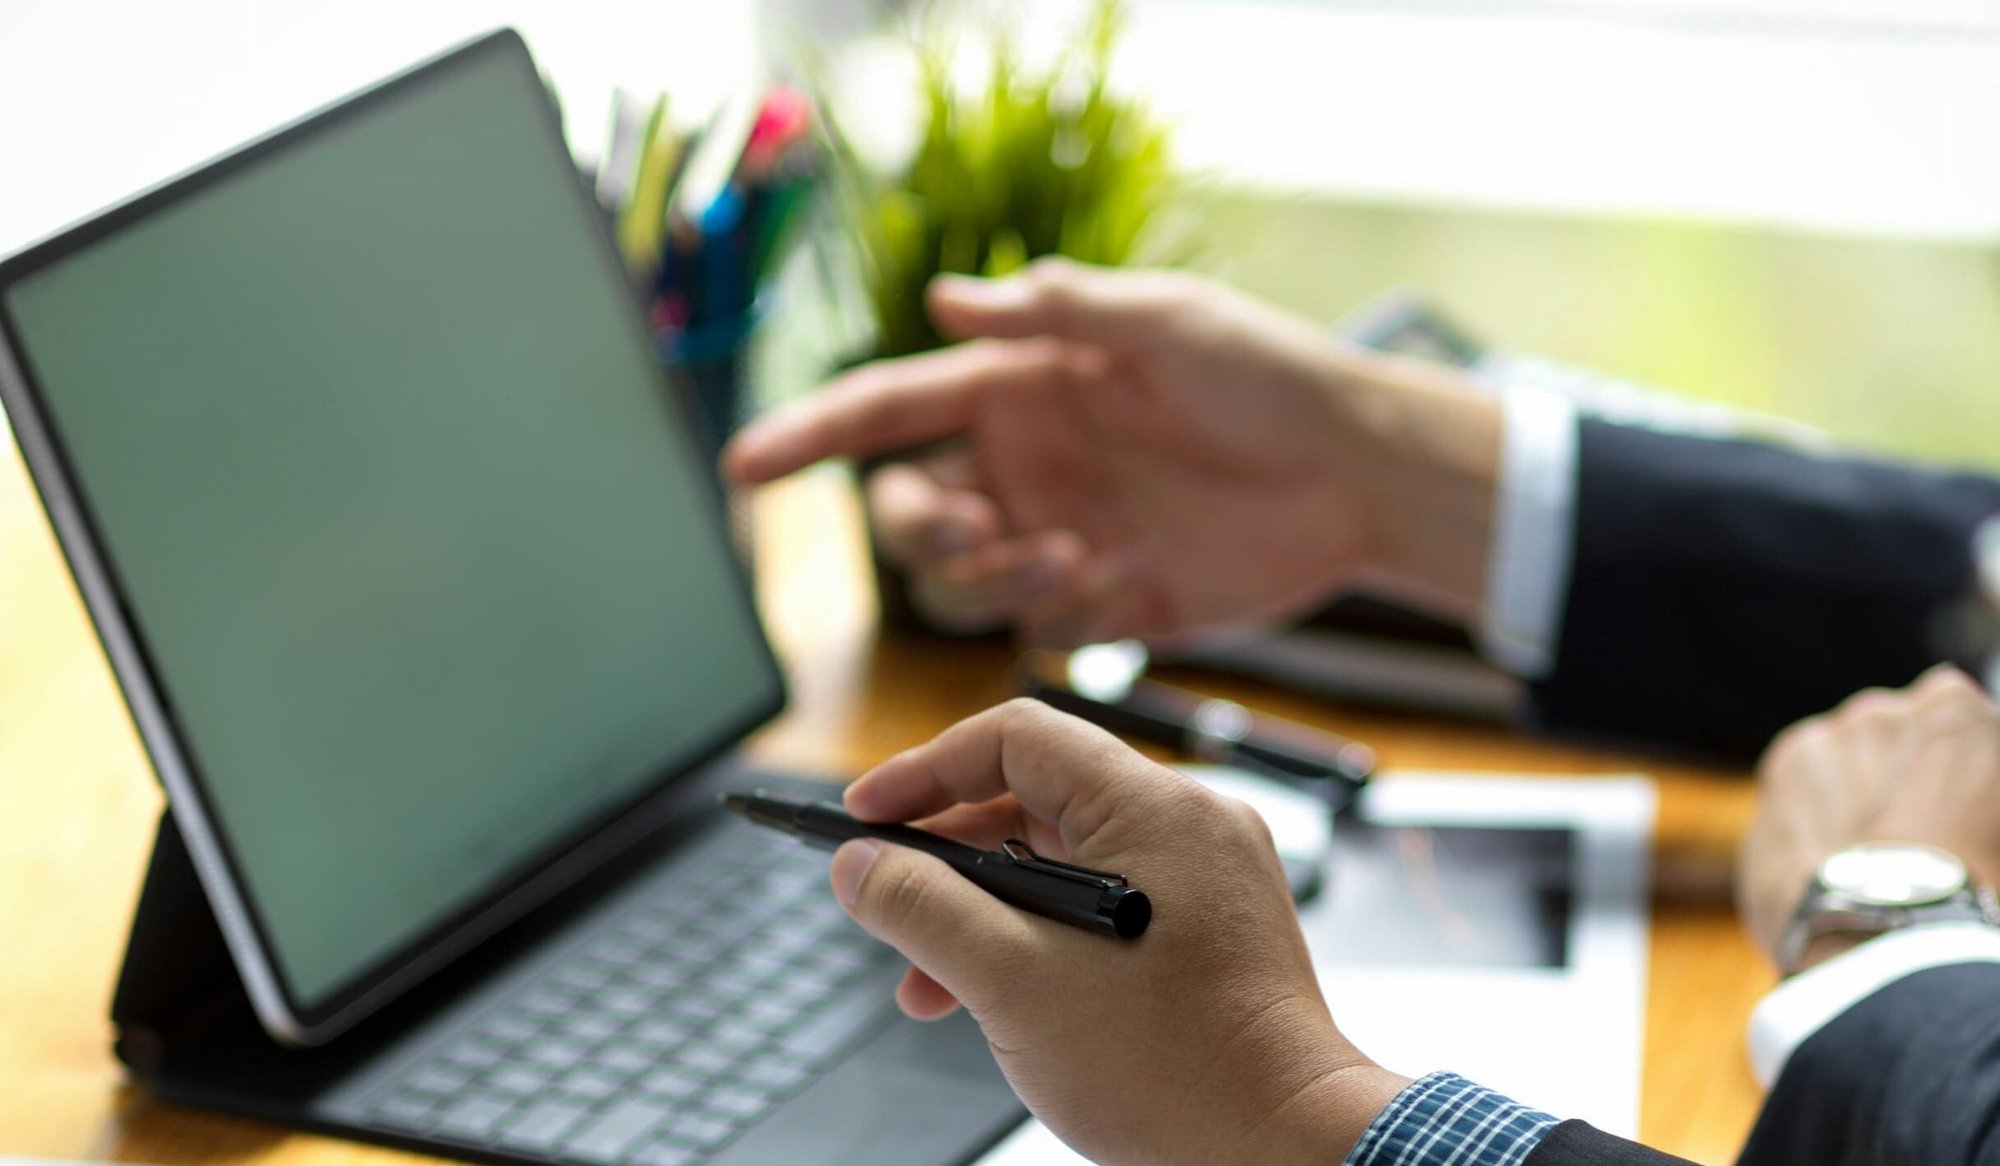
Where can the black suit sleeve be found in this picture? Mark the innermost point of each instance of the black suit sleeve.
(1720, 590)
(1575, 1143)
(1908, 1077)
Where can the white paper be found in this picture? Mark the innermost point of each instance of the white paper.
(1566, 1040)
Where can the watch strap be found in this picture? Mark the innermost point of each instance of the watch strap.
(1824, 912)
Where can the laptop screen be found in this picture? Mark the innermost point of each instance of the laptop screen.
(420, 556)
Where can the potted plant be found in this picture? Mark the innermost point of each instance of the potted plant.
(1031, 162)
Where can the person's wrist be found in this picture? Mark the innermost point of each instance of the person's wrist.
(1426, 460)
(1321, 1121)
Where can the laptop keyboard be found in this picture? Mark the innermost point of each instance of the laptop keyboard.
(668, 1032)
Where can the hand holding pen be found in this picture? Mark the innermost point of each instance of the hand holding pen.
(1205, 1040)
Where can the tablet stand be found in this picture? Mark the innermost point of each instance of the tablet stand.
(175, 961)
(183, 1022)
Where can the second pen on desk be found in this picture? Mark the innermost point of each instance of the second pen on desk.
(1091, 899)
(1105, 684)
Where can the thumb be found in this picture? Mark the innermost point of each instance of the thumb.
(1058, 297)
(968, 941)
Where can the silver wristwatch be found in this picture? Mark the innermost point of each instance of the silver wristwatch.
(1880, 886)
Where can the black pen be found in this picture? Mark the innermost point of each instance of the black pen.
(1104, 684)
(1076, 895)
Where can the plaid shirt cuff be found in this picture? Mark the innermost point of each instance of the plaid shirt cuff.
(1445, 1120)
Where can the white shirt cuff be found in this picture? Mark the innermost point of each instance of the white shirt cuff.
(1534, 515)
(1806, 1003)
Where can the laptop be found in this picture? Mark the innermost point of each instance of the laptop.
(422, 599)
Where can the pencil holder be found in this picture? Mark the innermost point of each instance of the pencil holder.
(707, 365)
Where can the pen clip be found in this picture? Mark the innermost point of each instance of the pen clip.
(1023, 855)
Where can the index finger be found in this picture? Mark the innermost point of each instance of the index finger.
(1061, 770)
(892, 405)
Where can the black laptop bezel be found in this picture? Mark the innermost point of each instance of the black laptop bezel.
(561, 863)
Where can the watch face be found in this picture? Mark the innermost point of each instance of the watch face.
(1893, 874)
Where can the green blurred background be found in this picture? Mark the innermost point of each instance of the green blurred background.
(1890, 345)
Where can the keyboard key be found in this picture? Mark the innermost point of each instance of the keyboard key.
(791, 885)
(846, 958)
(627, 1059)
(437, 1081)
(732, 927)
(774, 1075)
(589, 1026)
(557, 1054)
(606, 1137)
(625, 1001)
(671, 1084)
(810, 982)
(699, 1129)
(700, 947)
(541, 1127)
(787, 944)
(513, 1028)
(772, 1013)
(584, 977)
(474, 1117)
(841, 1022)
(649, 928)
(475, 1055)
(589, 1084)
(759, 964)
(546, 1000)
(823, 909)
(732, 991)
(517, 1080)
(660, 977)
(679, 910)
(661, 1031)
(670, 955)
(734, 1034)
(407, 1110)
(739, 1103)
(704, 1060)
(617, 954)
(664, 1154)
(717, 880)
(698, 1007)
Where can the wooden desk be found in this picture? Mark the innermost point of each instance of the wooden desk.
(80, 806)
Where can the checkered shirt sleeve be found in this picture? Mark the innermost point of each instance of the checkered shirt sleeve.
(1445, 1120)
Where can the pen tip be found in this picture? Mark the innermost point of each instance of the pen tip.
(737, 802)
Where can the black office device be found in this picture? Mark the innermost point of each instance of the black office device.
(423, 604)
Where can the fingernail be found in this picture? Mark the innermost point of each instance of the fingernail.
(982, 293)
(850, 866)
(1044, 575)
(951, 538)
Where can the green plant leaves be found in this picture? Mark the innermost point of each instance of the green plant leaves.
(1032, 164)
